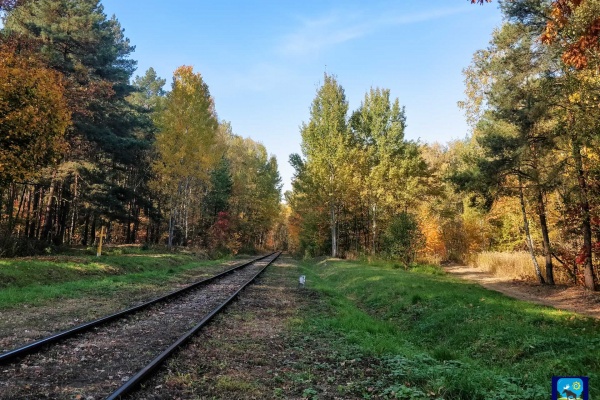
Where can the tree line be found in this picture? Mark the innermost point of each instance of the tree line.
(357, 176)
(85, 146)
(526, 177)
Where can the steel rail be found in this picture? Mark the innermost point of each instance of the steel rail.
(145, 372)
(33, 346)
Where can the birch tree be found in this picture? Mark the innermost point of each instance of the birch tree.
(390, 177)
(186, 144)
(325, 143)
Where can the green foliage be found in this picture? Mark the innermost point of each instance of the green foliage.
(221, 185)
(186, 147)
(109, 138)
(135, 156)
(255, 189)
(325, 141)
(402, 238)
(348, 181)
(92, 53)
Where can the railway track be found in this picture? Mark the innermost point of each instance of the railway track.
(109, 357)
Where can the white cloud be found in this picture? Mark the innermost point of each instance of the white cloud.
(337, 28)
(322, 33)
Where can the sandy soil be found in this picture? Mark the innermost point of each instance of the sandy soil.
(566, 298)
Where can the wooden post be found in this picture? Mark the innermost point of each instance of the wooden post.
(99, 253)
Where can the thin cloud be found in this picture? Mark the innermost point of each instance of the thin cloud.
(260, 77)
(325, 32)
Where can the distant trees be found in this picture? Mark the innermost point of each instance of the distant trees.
(390, 168)
(254, 204)
(515, 132)
(527, 178)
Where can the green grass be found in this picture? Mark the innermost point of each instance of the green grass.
(34, 281)
(440, 337)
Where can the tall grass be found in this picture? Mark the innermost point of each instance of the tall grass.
(514, 265)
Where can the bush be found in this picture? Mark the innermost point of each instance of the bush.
(403, 238)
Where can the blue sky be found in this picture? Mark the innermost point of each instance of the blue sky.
(264, 60)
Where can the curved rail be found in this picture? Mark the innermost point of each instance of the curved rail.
(33, 346)
(145, 372)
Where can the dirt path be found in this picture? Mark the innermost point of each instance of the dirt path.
(567, 298)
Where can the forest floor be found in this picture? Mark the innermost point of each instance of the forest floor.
(562, 297)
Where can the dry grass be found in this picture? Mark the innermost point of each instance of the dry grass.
(515, 265)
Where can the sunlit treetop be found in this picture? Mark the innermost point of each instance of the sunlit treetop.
(575, 25)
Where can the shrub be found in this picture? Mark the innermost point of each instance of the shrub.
(403, 238)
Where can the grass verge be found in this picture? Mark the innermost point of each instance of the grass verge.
(33, 281)
(437, 337)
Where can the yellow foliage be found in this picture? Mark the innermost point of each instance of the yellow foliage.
(187, 138)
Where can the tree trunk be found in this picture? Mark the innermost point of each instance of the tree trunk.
(333, 232)
(374, 237)
(545, 237)
(15, 220)
(1, 204)
(170, 242)
(528, 234)
(10, 208)
(38, 222)
(586, 224)
(28, 218)
(93, 231)
(74, 210)
(48, 217)
(136, 223)
(86, 227)
(128, 229)
(62, 214)
(171, 229)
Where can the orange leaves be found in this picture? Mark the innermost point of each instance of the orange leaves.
(33, 115)
(579, 38)
(431, 227)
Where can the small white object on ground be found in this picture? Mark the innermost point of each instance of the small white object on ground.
(302, 280)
